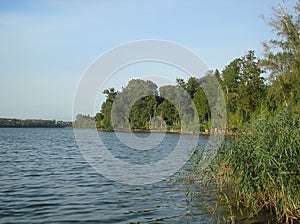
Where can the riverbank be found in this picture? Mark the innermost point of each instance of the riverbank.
(171, 131)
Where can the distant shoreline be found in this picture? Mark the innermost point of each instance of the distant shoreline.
(33, 123)
(40, 123)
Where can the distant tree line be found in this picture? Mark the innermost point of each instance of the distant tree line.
(32, 123)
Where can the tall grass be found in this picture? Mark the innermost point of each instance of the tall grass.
(262, 167)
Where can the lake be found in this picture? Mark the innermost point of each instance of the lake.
(44, 178)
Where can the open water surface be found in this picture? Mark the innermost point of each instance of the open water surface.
(44, 178)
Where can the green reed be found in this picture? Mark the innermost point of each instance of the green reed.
(261, 167)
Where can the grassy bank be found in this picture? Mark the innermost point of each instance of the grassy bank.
(260, 171)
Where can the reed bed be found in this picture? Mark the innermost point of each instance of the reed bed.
(262, 168)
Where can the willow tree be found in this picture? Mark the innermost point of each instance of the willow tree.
(282, 58)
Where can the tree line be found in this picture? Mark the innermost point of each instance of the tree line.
(246, 86)
(32, 123)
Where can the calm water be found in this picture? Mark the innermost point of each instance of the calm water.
(45, 179)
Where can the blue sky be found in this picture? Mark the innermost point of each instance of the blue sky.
(47, 45)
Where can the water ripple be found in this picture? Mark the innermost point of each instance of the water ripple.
(45, 179)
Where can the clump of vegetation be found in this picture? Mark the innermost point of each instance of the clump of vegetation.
(262, 167)
(84, 121)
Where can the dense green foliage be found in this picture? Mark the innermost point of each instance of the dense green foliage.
(243, 88)
(141, 101)
(246, 90)
(32, 123)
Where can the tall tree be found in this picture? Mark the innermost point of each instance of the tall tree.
(191, 86)
(103, 118)
(252, 88)
(282, 58)
(243, 87)
(203, 109)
